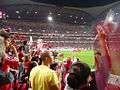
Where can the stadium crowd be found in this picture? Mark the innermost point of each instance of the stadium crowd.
(57, 34)
(23, 67)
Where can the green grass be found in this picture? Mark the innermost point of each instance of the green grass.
(86, 56)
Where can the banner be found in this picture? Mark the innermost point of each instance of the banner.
(0, 14)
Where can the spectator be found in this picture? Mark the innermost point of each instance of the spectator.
(26, 47)
(31, 66)
(21, 65)
(77, 78)
(79, 72)
(37, 59)
(21, 53)
(56, 68)
(42, 77)
(24, 66)
(27, 59)
(7, 78)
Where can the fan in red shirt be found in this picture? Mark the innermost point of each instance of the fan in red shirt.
(21, 53)
(7, 61)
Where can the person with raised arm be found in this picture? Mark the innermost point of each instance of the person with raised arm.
(79, 76)
(6, 77)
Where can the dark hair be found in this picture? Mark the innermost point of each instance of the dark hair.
(37, 59)
(53, 66)
(79, 72)
(98, 53)
(21, 48)
(25, 42)
(31, 66)
(54, 54)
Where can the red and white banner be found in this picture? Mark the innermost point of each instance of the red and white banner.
(0, 14)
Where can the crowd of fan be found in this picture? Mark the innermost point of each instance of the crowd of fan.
(23, 68)
(57, 34)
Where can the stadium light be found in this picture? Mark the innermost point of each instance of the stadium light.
(28, 12)
(50, 18)
(81, 17)
(17, 11)
(30, 30)
(36, 12)
(110, 18)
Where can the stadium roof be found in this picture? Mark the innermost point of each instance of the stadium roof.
(93, 7)
(69, 8)
(77, 3)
